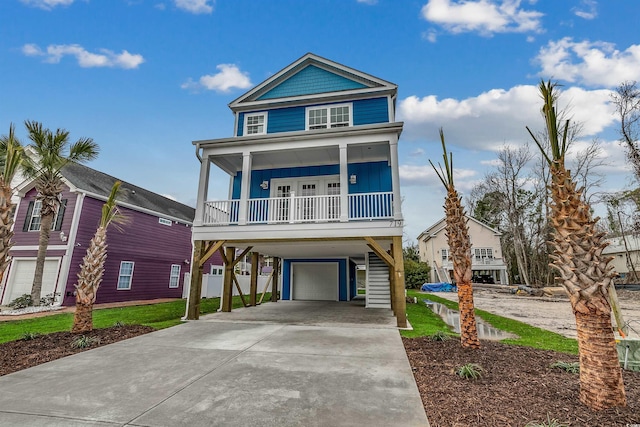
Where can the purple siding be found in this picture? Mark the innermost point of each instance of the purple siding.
(30, 238)
(152, 246)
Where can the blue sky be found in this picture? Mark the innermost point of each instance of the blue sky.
(144, 78)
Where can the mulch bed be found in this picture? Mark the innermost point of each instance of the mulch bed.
(518, 386)
(22, 354)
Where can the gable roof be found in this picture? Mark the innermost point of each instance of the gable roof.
(312, 77)
(440, 225)
(94, 183)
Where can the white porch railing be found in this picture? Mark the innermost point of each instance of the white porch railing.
(300, 209)
(221, 212)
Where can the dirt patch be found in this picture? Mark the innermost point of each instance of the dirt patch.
(552, 314)
(22, 354)
(518, 386)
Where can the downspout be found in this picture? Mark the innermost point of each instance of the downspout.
(198, 152)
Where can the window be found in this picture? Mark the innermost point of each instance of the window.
(125, 275)
(445, 254)
(165, 221)
(33, 216)
(174, 278)
(217, 270)
(482, 254)
(329, 117)
(255, 124)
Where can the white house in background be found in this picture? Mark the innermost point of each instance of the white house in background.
(625, 251)
(486, 251)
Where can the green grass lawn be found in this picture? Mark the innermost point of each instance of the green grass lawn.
(159, 316)
(426, 323)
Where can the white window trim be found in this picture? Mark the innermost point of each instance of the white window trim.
(328, 108)
(245, 125)
(174, 276)
(55, 217)
(321, 188)
(165, 221)
(133, 264)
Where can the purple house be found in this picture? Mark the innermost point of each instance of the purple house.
(147, 259)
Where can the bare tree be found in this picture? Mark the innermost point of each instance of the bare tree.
(627, 101)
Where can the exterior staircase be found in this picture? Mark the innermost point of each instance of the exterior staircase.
(378, 288)
(443, 273)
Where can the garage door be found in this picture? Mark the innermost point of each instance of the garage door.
(315, 281)
(21, 278)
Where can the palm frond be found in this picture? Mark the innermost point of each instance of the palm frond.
(445, 175)
(557, 142)
(110, 212)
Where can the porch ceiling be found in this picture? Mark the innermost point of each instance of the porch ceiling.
(304, 157)
(354, 249)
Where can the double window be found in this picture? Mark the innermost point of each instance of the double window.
(482, 254)
(330, 116)
(125, 276)
(255, 124)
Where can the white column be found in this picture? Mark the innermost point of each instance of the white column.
(203, 189)
(244, 189)
(344, 185)
(395, 178)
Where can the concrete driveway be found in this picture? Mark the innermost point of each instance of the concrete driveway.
(279, 364)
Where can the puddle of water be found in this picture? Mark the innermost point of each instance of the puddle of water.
(452, 318)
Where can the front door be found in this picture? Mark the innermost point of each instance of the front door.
(307, 205)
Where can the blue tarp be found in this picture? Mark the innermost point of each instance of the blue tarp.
(438, 287)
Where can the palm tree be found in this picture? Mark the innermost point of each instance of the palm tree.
(12, 156)
(582, 269)
(92, 267)
(460, 247)
(53, 152)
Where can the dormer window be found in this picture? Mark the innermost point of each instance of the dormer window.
(255, 124)
(333, 116)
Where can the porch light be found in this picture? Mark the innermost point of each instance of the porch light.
(353, 179)
(264, 185)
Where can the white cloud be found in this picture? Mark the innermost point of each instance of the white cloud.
(195, 6)
(592, 63)
(484, 16)
(86, 59)
(425, 175)
(417, 152)
(47, 4)
(498, 117)
(369, 2)
(229, 77)
(587, 10)
(430, 36)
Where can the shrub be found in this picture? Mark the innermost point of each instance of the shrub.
(470, 371)
(119, 324)
(84, 341)
(21, 302)
(415, 273)
(27, 336)
(440, 336)
(49, 299)
(551, 422)
(571, 367)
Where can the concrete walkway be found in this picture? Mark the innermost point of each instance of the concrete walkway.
(279, 364)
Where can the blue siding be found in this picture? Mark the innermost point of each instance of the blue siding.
(291, 119)
(342, 276)
(311, 80)
(240, 129)
(370, 111)
(372, 177)
(286, 120)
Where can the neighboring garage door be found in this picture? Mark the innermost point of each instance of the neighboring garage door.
(317, 281)
(21, 278)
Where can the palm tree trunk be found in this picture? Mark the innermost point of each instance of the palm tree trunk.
(6, 221)
(468, 328)
(83, 318)
(601, 384)
(43, 242)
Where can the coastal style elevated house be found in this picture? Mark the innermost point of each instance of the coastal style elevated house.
(313, 183)
(487, 264)
(146, 259)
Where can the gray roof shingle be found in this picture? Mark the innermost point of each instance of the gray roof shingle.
(93, 181)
